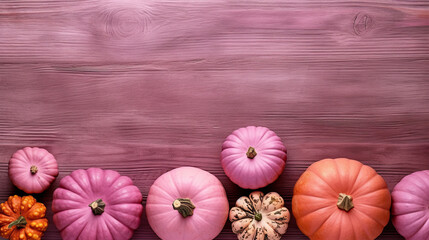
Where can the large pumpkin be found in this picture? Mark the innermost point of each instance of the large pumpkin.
(259, 217)
(97, 204)
(253, 157)
(410, 208)
(22, 218)
(32, 169)
(187, 203)
(341, 199)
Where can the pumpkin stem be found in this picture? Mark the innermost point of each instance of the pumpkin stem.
(19, 223)
(97, 207)
(251, 153)
(184, 206)
(258, 216)
(345, 202)
(33, 169)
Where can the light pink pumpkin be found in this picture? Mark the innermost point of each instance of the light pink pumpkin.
(32, 169)
(97, 204)
(187, 203)
(253, 157)
(410, 206)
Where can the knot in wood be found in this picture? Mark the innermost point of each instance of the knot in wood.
(362, 23)
(124, 22)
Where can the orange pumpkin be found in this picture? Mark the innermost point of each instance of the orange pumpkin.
(341, 199)
(22, 218)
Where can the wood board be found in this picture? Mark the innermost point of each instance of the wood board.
(160, 84)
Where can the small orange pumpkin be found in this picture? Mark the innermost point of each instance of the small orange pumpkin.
(341, 199)
(22, 218)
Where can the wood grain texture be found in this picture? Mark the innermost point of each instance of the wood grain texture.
(143, 87)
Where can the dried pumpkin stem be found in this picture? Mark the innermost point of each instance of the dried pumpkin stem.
(19, 223)
(33, 169)
(258, 216)
(345, 202)
(251, 153)
(97, 207)
(184, 206)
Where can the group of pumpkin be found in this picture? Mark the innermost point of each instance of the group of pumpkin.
(333, 199)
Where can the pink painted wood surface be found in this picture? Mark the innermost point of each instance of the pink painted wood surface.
(146, 86)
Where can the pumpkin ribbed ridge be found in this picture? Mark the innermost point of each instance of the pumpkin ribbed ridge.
(118, 211)
(324, 185)
(253, 157)
(32, 169)
(259, 216)
(205, 199)
(410, 207)
(22, 218)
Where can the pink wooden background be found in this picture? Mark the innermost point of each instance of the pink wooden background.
(143, 87)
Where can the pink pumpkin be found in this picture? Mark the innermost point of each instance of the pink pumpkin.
(32, 169)
(97, 204)
(187, 203)
(410, 208)
(253, 157)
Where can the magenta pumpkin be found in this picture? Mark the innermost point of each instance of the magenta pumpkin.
(410, 206)
(97, 204)
(32, 169)
(187, 203)
(253, 157)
